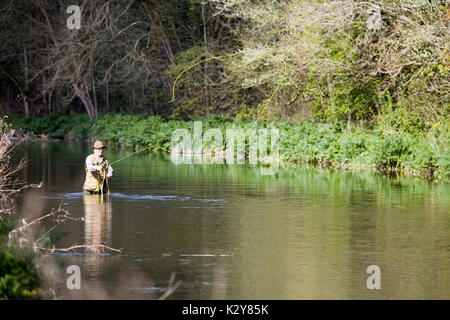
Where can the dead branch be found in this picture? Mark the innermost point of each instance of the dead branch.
(171, 287)
(59, 215)
(95, 246)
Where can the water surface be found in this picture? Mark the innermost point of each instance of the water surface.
(228, 232)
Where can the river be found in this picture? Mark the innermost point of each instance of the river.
(228, 232)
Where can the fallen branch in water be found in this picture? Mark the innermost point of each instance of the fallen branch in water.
(205, 255)
(95, 246)
(198, 255)
(10, 191)
(171, 287)
(60, 216)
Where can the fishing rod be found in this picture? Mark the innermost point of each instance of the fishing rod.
(173, 99)
(226, 56)
(103, 172)
(143, 149)
(196, 64)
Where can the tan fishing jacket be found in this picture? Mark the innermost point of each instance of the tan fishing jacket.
(94, 177)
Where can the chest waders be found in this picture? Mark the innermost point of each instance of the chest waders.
(95, 181)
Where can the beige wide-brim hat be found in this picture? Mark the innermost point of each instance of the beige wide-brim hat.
(98, 144)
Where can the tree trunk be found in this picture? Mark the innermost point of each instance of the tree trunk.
(94, 91)
(205, 70)
(349, 120)
(26, 106)
(83, 93)
(107, 97)
(95, 96)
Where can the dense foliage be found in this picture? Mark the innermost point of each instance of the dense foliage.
(352, 81)
(348, 83)
(384, 61)
(19, 278)
(308, 142)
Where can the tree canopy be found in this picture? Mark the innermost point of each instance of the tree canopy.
(334, 60)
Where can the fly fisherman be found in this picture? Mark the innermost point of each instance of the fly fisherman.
(98, 170)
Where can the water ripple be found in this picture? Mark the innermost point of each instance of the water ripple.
(77, 195)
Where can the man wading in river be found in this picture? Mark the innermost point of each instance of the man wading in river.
(98, 170)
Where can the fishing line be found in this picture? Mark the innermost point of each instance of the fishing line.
(226, 56)
(196, 64)
(173, 99)
(143, 149)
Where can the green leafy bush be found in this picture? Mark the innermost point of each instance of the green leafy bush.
(391, 150)
(18, 274)
(308, 142)
(54, 125)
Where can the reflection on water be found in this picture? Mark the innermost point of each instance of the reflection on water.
(97, 221)
(229, 233)
(96, 263)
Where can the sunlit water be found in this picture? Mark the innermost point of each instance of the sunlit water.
(228, 232)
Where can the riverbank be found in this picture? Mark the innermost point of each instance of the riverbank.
(19, 277)
(368, 147)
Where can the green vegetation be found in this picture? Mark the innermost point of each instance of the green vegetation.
(56, 126)
(19, 278)
(425, 154)
(18, 274)
(348, 83)
(384, 61)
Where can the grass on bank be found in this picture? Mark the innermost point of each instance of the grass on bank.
(385, 148)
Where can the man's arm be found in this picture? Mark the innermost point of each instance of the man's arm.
(90, 166)
(110, 171)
